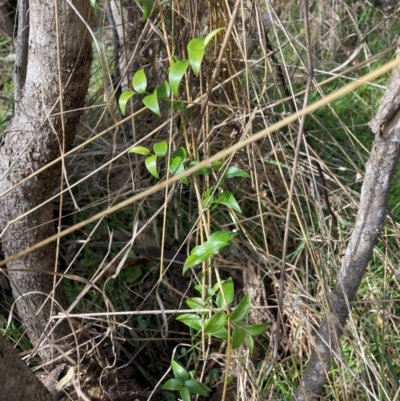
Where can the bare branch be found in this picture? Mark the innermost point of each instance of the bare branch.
(371, 216)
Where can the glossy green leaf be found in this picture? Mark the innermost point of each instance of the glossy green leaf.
(217, 241)
(193, 260)
(176, 166)
(173, 385)
(196, 44)
(195, 303)
(222, 236)
(250, 343)
(180, 372)
(238, 335)
(234, 171)
(181, 152)
(139, 150)
(151, 102)
(191, 320)
(139, 81)
(227, 199)
(222, 334)
(198, 250)
(196, 53)
(123, 100)
(147, 7)
(256, 329)
(151, 165)
(229, 292)
(211, 35)
(241, 311)
(185, 394)
(163, 91)
(160, 148)
(215, 323)
(175, 74)
(195, 387)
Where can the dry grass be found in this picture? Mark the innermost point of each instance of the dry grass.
(249, 96)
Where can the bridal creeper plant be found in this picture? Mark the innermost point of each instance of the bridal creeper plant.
(214, 315)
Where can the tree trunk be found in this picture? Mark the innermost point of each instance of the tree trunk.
(35, 136)
(17, 382)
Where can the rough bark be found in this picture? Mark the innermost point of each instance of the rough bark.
(17, 382)
(371, 216)
(33, 138)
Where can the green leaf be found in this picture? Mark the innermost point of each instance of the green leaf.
(217, 165)
(175, 74)
(198, 250)
(217, 241)
(176, 166)
(140, 150)
(195, 303)
(194, 260)
(227, 199)
(238, 335)
(233, 171)
(180, 372)
(147, 7)
(151, 165)
(215, 323)
(181, 152)
(132, 275)
(151, 102)
(214, 374)
(250, 343)
(163, 91)
(240, 312)
(222, 236)
(222, 334)
(185, 394)
(196, 53)
(139, 81)
(191, 320)
(196, 44)
(123, 100)
(209, 291)
(173, 384)
(202, 171)
(229, 292)
(208, 201)
(160, 148)
(93, 3)
(195, 387)
(175, 105)
(210, 36)
(256, 329)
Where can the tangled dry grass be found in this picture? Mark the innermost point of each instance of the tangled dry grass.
(348, 39)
